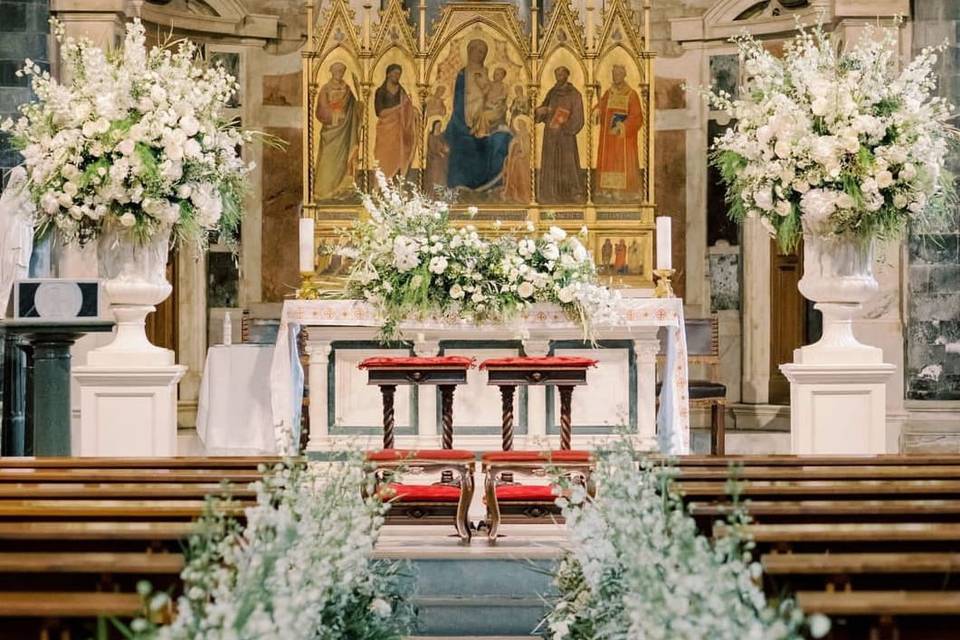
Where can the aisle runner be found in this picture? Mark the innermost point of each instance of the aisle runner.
(286, 374)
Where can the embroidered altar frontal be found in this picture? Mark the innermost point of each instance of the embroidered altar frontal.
(546, 120)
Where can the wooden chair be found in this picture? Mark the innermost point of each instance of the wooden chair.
(703, 347)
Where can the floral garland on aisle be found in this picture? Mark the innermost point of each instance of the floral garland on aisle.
(638, 568)
(137, 138)
(300, 568)
(835, 143)
(411, 262)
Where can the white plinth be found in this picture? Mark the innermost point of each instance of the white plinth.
(128, 411)
(837, 408)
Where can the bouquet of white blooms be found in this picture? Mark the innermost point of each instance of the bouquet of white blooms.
(135, 138)
(410, 261)
(834, 143)
(299, 568)
(638, 568)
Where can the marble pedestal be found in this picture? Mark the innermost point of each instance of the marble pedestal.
(838, 408)
(128, 411)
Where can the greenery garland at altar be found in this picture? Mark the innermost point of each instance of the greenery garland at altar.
(410, 262)
(299, 568)
(638, 568)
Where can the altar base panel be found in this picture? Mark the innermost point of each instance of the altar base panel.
(128, 411)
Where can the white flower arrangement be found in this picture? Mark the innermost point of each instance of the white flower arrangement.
(300, 568)
(834, 143)
(137, 138)
(410, 261)
(638, 568)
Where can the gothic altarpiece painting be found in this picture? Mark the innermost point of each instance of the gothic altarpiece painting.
(551, 124)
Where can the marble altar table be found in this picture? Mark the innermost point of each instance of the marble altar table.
(344, 411)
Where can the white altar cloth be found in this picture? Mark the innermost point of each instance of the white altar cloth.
(343, 319)
(234, 414)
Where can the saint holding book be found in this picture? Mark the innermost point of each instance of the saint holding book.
(562, 113)
(620, 120)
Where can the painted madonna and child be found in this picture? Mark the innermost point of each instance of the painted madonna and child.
(478, 143)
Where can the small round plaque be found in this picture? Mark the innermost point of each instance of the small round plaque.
(58, 300)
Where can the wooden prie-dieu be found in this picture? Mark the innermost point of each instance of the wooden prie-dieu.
(446, 372)
(563, 372)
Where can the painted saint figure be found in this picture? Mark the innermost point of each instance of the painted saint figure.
(516, 174)
(339, 120)
(562, 114)
(398, 125)
(438, 155)
(621, 117)
(476, 161)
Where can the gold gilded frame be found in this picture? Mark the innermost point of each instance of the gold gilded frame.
(614, 35)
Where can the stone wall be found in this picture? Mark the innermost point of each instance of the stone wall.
(24, 33)
(933, 305)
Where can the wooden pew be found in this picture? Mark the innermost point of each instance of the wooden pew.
(77, 534)
(873, 542)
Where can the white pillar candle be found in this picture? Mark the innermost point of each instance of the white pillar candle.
(307, 251)
(664, 252)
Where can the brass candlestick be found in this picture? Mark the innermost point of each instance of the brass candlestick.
(663, 290)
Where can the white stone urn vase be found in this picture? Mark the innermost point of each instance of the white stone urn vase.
(838, 277)
(133, 270)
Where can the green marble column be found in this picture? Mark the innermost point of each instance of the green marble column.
(47, 424)
(51, 393)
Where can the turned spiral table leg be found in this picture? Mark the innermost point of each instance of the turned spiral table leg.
(506, 401)
(388, 390)
(566, 397)
(446, 410)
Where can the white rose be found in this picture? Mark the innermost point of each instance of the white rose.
(64, 200)
(49, 203)
(438, 264)
(884, 179)
(565, 295)
(526, 247)
(525, 290)
(70, 188)
(900, 201)
(844, 201)
(456, 292)
(550, 251)
(75, 212)
(472, 211)
(380, 607)
(783, 208)
(189, 125)
(89, 129)
(557, 234)
(908, 172)
(191, 148)
(782, 148)
(126, 146)
(128, 219)
(763, 198)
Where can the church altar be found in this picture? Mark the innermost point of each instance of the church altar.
(345, 411)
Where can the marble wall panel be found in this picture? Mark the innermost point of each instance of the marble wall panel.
(933, 309)
(724, 282)
(282, 192)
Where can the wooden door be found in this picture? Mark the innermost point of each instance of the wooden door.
(788, 317)
(162, 323)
